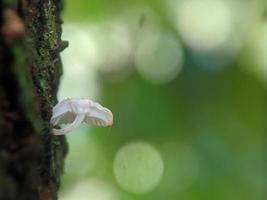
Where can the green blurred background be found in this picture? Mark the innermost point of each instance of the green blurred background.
(186, 81)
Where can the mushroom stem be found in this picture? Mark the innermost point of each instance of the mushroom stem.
(76, 123)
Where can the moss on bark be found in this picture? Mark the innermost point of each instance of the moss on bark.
(31, 158)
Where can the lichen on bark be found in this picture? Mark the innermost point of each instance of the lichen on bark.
(31, 158)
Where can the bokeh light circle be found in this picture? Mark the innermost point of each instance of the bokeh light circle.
(80, 60)
(138, 167)
(91, 189)
(116, 49)
(204, 24)
(159, 56)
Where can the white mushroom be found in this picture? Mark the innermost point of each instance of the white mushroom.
(74, 111)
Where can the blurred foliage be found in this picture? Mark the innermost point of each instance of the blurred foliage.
(206, 121)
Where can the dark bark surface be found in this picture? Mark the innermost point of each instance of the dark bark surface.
(31, 158)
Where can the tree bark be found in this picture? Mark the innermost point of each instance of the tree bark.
(31, 158)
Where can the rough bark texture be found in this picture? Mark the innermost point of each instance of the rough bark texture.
(31, 158)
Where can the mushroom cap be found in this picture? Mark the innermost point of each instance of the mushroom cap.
(66, 111)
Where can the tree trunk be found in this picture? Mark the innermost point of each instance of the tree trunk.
(31, 158)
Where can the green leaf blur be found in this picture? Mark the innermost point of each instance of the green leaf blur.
(186, 82)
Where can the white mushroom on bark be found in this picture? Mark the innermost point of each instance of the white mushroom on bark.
(74, 111)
